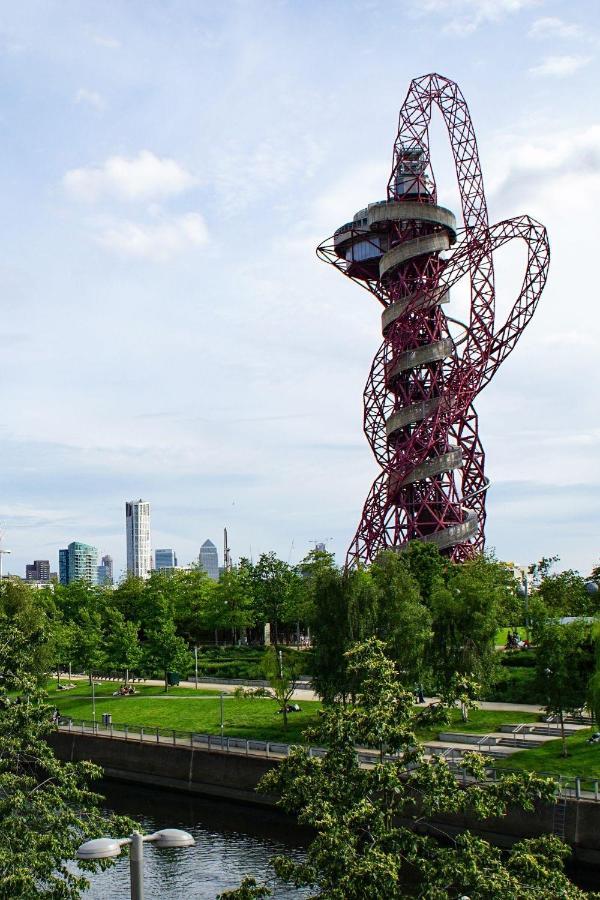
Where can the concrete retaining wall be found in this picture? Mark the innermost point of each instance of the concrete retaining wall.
(234, 777)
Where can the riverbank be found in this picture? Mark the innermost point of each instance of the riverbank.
(233, 776)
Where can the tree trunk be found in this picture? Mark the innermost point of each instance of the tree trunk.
(166, 683)
(90, 678)
(562, 734)
(285, 716)
(126, 677)
(58, 676)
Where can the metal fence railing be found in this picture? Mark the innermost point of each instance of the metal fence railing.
(573, 787)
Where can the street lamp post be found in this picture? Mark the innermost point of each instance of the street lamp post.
(105, 848)
(523, 591)
(222, 722)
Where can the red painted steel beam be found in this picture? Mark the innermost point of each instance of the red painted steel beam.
(418, 401)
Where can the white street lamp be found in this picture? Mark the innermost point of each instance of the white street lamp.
(105, 848)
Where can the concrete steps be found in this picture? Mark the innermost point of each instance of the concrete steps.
(543, 728)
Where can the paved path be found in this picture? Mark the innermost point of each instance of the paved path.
(307, 694)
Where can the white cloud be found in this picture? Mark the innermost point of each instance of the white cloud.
(467, 15)
(560, 66)
(243, 174)
(90, 98)
(553, 27)
(105, 40)
(158, 241)
(143, 177)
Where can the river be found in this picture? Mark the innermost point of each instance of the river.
(231, 841)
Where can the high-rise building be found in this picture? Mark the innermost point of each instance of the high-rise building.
(105, 571)
(39, 570)
(78, 562)
(209, 560)
(165, 559)
(139, 551)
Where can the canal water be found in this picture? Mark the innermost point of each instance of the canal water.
(231, 841)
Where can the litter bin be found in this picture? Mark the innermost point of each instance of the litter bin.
(173, 679)
(107, 718)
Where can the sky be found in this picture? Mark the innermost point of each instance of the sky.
(167, 332)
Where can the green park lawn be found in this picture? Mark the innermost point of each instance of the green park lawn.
(184, 709)
(481, 721)
(583, 758)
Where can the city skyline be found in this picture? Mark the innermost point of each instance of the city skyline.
(233, 124)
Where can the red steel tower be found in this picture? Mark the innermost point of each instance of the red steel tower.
(418, 401)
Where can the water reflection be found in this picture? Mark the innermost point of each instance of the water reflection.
(231, 841)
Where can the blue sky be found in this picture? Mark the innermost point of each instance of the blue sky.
(167, 331)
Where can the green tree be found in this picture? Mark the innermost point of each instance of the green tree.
(466, 611)
(594, 682)
(362, 849)
(165, 651)
(404, 623)
(234, 601)
(89, 651)
(565, 664)
(46, 806)
(315, 565)
(427, 566)
(282, 668)
(346, 612)
(193, 597)
(123, 650)
(565, 594)
(272, 581)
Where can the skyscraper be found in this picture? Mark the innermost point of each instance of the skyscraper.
(78, 562)
(139, 551)
(105, 571)
(209, 560)
(39, 570)
(165, 559)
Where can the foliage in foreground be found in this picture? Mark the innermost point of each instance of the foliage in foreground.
(46, 806)
(361, 849)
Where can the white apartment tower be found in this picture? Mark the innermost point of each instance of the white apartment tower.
(139, 551)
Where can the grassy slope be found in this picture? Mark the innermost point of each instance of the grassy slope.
(184, 710)
(481, 721)
(583, 758)
(190, 710)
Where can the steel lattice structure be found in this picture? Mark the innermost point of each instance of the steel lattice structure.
(418, 401)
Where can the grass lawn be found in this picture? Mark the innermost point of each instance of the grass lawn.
(583, 758)
(502, 635)
(481, 721)
(184, 709)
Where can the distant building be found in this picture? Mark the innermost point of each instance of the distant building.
(209, 560)
(165, 559)
(38, 570)
(139, 551)
(105, 571)
(78, 562)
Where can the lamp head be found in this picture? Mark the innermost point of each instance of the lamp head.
(591, 587)
(171, 837)
(100, 848)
